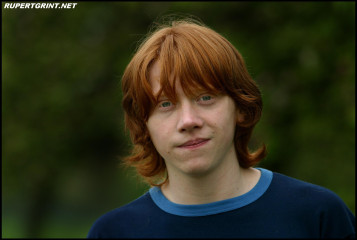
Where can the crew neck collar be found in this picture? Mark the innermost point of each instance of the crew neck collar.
(196, 210)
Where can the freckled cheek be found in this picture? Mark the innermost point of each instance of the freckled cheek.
(166, 142)
(226, 125)
(161, 140)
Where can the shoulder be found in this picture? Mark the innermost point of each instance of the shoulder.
(313, 203)
(120, 220)
(298, 189)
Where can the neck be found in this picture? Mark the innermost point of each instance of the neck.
(226, 182)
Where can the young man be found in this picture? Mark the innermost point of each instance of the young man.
(191, 106)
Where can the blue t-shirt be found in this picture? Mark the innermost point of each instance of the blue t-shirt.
(277, 207)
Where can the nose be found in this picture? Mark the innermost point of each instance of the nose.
(189, 118)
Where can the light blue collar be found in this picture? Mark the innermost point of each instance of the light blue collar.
(215, 207)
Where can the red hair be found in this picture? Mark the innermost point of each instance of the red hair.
(202, 59)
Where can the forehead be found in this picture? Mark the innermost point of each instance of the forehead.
(172, 83)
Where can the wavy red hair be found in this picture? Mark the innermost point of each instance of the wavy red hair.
(201, 59)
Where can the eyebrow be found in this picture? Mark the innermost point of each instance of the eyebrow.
(162, 96)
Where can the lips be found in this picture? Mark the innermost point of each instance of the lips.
(194, 143)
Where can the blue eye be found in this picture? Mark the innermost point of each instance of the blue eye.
(165, 104)
(206, 98)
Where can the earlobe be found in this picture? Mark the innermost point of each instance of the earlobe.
(240, 116)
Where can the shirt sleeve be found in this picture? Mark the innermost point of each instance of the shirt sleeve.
(337, 221)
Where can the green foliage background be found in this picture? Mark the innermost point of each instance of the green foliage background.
(63, 132)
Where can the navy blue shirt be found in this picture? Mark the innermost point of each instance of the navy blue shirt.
(277, 207)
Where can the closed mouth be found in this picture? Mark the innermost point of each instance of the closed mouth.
(194, 143)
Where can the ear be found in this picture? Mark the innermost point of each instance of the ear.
(240, 116)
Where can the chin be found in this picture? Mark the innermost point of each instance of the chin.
(197, 168)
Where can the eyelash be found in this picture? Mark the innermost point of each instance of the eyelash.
(199, 99)
(165, 101)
